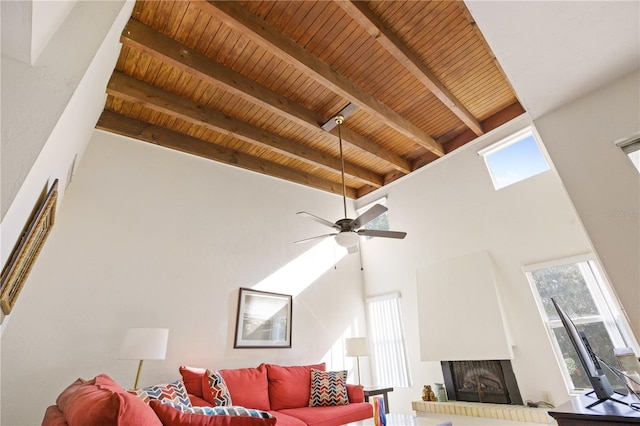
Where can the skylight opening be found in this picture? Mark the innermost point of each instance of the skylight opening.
(514, 159)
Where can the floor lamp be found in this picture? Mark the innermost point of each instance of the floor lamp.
(144, 343)
(356, 347)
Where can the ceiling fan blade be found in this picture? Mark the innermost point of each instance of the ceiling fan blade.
(314, 238)
(380, 233)
(319, 220)
(368, 216)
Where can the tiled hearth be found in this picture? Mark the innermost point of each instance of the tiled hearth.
(490, 411)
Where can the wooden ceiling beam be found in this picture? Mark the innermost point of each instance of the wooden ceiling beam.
(126, 126)
(155, 44)
(133, 90)
(496, 120)
(368, 20)
(242, 20)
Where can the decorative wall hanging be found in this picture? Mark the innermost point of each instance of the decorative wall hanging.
(264, 320)
(19, 265)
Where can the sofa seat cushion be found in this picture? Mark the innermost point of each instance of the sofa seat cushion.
(101, 401)
(171, 416)
(331, 416)
(286, 420)
(290, 387)
(248, 387)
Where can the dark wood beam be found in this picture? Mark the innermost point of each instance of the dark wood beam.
(133, 90)
(140, 130)
(242, 20)
(368, 20)
(498, 119)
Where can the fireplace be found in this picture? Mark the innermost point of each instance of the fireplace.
(481, 381)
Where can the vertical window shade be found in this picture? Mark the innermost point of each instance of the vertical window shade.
(387, 342)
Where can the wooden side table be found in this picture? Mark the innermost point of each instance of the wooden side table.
(379, 391)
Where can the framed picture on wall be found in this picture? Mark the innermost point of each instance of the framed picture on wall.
(22, 259)
(264, 320)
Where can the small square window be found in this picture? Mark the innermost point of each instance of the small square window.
(513, 159)
(379, 223)
(632, 149)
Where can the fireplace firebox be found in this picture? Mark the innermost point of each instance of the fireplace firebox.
(490, 381)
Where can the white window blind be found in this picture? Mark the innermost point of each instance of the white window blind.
(387, 341)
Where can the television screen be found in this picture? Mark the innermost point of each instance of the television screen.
(586, 355)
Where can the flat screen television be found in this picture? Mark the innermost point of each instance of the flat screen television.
(588, 360)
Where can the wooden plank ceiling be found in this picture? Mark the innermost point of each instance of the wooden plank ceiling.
(251, 83)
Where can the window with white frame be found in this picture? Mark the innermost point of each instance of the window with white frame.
(387, 341)
(515, 158)
(632, 149)
(580, 289)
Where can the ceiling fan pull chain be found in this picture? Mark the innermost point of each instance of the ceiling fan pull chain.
(339, 119)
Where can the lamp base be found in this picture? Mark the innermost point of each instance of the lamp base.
(135, 385)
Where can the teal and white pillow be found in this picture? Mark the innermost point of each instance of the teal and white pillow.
(174, 392)
(221, 411)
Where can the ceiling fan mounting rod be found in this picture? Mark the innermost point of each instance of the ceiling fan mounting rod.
(339, 119)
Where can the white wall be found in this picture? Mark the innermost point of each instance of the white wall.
(149, 237)
(601, 181)
(449, 210)
(34, 98)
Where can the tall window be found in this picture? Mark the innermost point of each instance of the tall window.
(581, 291)
(513, 159)
(387, 341)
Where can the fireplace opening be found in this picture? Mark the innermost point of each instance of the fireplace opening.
(481, 381)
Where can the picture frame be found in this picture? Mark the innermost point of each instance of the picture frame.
(22, 259)
(264, 320)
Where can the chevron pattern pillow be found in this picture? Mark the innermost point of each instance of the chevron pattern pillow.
(221, 411)
(170, 392)
(214, 389)
(328, 388)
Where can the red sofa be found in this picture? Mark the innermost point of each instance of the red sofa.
(283, 391)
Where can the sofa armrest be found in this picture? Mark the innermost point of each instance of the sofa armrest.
(355, 393)
(54, 417)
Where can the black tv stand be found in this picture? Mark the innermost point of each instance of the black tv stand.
(575, 412)
(599, 401)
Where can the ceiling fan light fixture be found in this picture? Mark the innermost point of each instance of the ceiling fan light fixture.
(347, 239)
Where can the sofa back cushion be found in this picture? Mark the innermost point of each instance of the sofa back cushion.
(290, 387)
(248, 387)
(192, 379)
(101, 401)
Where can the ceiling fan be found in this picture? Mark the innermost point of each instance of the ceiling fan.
(347, 231)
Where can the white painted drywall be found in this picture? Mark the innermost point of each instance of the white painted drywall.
(449, 210)
(34, 97)
(601, 181)
(463, 292)
(47, 17)
(148, 237)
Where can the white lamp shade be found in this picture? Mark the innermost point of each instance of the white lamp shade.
(356, 346)
(145, 343)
